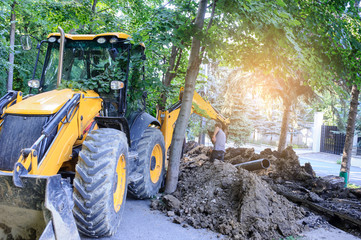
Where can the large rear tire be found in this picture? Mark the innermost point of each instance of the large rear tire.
(100, 183)
(151, 164)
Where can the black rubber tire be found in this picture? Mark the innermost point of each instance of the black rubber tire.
(144, 187)
(95, 182)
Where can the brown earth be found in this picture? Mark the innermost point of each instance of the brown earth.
(250, 205)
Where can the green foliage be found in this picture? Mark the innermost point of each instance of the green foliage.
(240, 127)
(320, 40)
(291, 238)
(99, 84)
(353, 186)
(194, 128)
(4, 43)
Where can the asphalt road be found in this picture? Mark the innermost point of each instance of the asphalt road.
(324, 167)
(141, 223)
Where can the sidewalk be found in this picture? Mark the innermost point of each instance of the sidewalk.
(329, 164)
(326, 157)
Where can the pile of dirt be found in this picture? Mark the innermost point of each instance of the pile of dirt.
(220, 197)
(240, 155)
(284, 165)
(189, 146)
(231, 201)
(326, 196)
(196, 153)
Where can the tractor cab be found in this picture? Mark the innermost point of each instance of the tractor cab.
(106, 63)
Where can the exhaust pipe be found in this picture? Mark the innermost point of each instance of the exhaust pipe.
(254, 165)
(61, 56)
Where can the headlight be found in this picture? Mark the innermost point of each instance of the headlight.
(113, 40)
(101, 40)
(60, 40)
(52, 39)
(34, 83)
(116, 85)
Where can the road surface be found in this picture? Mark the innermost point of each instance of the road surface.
(141, 223)
(324, 165)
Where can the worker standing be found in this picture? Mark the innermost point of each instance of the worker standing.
(219, 141)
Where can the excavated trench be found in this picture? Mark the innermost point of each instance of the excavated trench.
(272, 203)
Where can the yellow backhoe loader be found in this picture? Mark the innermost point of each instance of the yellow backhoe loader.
(68, 156)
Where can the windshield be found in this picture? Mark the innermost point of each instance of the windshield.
(85, 60)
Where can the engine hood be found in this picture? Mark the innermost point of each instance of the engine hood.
(45, 103)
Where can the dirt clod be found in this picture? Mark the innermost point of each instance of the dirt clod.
(171, 202)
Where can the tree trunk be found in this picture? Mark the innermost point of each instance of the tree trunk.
(284, 128)
(12, 44)
(202, 136)
(181, 124)
(92, 17)
(350, 131)
(170, 74)
(94, 6)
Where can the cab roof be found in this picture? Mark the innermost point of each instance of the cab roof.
(91, 36)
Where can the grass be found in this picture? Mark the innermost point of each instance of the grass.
(351, 185)
(295, 146)
(291, 238)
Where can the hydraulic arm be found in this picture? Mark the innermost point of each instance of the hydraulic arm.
(199, 106)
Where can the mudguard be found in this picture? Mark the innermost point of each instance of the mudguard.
(41, 209)
(119, 123)
(140, 123)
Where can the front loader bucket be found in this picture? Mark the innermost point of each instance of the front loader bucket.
(41, 209)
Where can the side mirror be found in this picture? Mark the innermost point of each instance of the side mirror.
(26, 42)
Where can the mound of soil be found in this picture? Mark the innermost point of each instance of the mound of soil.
(232, 201)
(189, 146)
(246, 205)
(286, 166)
(240, 155)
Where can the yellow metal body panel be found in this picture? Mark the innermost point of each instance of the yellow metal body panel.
(45, 103)
(19, 97)
(205, 109)
(168, 123)
(91, 36)
(68, 134)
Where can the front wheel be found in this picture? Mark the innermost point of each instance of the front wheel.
(100, 183)
(151, 152)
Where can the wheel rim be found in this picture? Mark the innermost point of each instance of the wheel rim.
(156, 163)
(119, 185)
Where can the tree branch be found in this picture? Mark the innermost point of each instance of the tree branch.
(203, 48)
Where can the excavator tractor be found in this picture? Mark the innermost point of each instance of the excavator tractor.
(80, 140)
(73, 145)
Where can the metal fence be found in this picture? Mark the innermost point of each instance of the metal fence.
(358, 151)
(331, 140)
